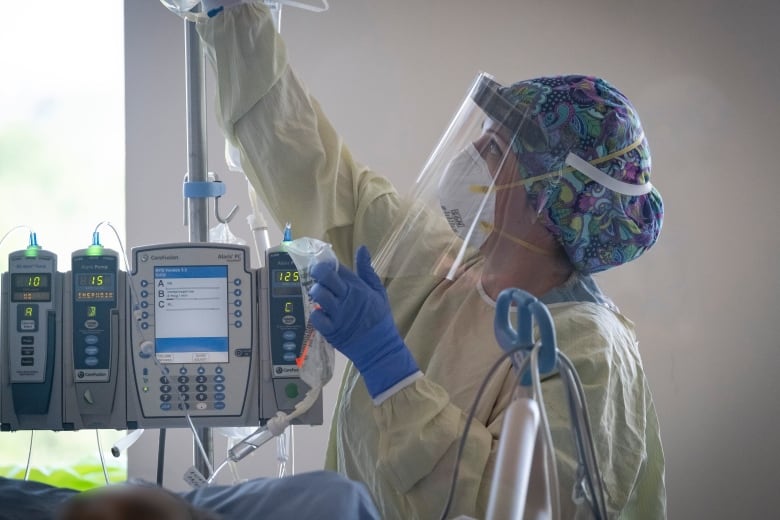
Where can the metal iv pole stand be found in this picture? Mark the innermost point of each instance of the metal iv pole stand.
(197, 208)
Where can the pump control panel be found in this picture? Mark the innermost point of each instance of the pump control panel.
(192, 343)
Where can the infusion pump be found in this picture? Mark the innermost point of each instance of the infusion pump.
(192, 331)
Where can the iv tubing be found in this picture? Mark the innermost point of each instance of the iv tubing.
(274, 427)
(102, 459)
(544, 428)
(29, 456)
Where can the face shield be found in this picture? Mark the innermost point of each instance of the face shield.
(470, 195)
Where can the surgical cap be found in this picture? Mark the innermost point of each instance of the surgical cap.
(597, 227)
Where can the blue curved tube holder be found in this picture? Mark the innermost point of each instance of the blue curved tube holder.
(512, 338)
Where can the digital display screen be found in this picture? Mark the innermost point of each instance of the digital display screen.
(191, 314)
(95, 280)
(31, 287)
(287, 276)
(94, 287)
(285, 282)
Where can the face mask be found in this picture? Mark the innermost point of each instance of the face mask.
(462, 197)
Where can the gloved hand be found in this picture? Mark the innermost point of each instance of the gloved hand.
(355, 317)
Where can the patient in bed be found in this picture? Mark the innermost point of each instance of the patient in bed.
(305, 496)
(132, 501)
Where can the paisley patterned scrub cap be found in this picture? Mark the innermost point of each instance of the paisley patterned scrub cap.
(589, 176)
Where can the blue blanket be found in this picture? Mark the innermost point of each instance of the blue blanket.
(315, 495)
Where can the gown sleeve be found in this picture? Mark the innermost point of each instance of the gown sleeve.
(291, 154)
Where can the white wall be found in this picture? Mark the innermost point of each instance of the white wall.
(704, 77)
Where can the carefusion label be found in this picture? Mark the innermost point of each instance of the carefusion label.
(285, 371)
(91, 376)
(191, 314)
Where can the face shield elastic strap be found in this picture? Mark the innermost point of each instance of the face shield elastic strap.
(586, 168)
(488, 227)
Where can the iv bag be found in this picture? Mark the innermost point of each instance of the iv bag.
(320, 357)
(180, 6)
(221, 234)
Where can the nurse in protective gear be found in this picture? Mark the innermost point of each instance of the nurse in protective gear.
(537, 185)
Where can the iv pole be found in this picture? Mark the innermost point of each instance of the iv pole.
(197, 167)
(197, 207)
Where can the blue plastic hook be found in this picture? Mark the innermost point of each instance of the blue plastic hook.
(510, 338)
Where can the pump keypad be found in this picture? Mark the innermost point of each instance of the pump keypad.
(208, 393)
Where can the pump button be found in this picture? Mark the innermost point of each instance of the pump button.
(146, 349)
(291, 390)
(28, 325)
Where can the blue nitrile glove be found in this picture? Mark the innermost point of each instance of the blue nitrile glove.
(355, 317)
(214, 7)
(209, 8)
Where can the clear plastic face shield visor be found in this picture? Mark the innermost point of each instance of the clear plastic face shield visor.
(470, 195)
